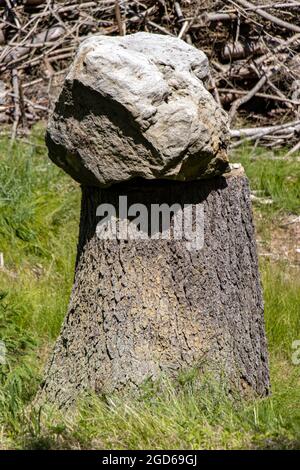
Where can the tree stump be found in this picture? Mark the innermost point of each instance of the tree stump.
(144, 307)
(169, 282)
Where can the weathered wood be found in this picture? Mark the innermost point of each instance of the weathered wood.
(140, 308)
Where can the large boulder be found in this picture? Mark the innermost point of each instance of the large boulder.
(136, 106)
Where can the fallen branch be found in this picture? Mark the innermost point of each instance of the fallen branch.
(294, 149)
(267, 96)
(252, 131)
(268, 16)
(39, 40)
(287, 133)
(240, 101)
(119, 18)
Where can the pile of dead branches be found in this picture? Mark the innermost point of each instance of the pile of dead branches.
(253, 48)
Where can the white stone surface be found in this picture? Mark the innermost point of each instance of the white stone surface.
(136, 106)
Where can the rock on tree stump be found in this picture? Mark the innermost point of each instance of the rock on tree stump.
(136, 127)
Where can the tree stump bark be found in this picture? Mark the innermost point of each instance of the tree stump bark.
(134, 120)
(143, 307)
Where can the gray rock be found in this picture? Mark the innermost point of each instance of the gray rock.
(136, 106)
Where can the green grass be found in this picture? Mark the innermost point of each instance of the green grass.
(282, 306)
(272, 177)
(38, 231)
(39, 212)
(184, 415)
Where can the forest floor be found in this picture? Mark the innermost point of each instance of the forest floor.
(39, 213)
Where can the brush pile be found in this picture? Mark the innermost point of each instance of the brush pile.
(253, 48)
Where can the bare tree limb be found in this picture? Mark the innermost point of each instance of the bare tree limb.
(268, 16)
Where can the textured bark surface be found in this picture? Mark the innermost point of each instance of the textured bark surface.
(142, 307)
